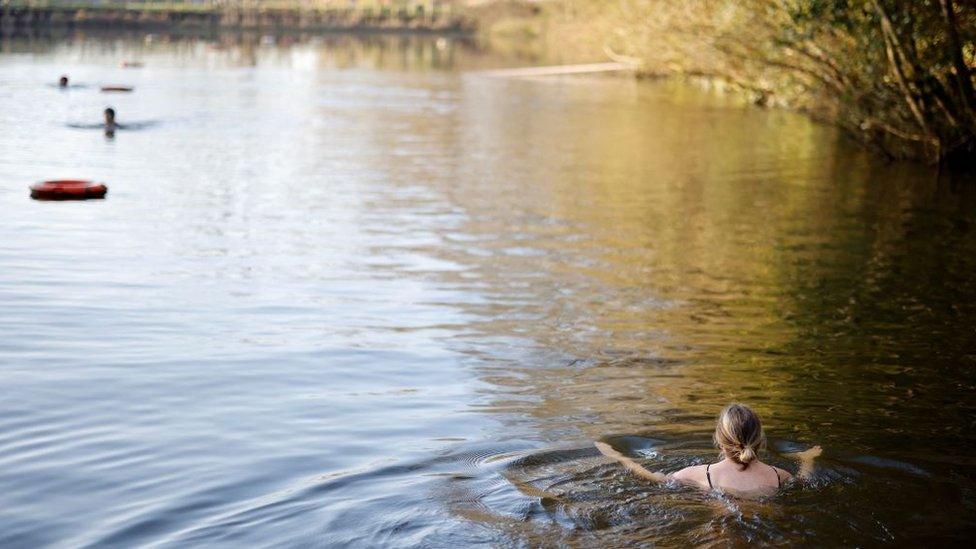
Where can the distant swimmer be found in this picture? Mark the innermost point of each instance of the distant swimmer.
(110, 124)
(739, 436)
(63, 81)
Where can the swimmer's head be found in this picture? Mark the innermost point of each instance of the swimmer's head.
(110, 115)
(63, 81)
(739, 434)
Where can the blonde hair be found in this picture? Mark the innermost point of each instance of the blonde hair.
(739, 434)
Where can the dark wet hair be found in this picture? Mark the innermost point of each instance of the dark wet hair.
(110, 111)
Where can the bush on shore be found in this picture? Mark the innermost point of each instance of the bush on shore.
(898, 75)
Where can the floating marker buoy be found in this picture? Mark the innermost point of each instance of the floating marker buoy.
(116, 89)
(67, 189)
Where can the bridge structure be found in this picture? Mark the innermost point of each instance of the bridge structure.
(368, 15)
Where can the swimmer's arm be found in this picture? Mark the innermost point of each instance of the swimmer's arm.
(806, 458)
(630, 464)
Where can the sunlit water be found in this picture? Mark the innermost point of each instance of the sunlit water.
(353, 292)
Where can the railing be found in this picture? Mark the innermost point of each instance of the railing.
(389, 14)
(386, 10)
(176, 5)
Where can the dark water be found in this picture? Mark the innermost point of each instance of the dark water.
(350, 292)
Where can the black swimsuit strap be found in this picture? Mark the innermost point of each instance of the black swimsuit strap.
(709, 475)
(779, 483)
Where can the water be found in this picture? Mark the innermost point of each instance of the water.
(350, 292)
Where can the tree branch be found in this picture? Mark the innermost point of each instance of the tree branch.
(893, 58)
(963, 78)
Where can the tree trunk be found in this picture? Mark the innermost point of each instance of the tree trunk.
(965, 80)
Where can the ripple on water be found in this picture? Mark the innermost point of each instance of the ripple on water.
(578, 492)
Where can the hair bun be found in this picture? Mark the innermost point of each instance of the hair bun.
(739, 434)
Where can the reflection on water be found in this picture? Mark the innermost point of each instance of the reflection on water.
(122, 49)
(352, 292)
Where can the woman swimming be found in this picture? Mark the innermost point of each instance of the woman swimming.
(739, 435)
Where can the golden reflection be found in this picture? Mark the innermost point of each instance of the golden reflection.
(649, 254)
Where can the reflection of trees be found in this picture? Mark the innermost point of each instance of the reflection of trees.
(379, 51)
(621, 247)
(648, 254)
(883, 310)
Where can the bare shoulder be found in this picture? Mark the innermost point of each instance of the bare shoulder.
(784, 475)
(691, 475)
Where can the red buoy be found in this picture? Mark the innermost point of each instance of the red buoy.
(67, 189)
(116, 89)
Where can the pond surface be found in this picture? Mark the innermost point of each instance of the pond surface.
(353, 292)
